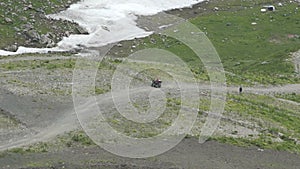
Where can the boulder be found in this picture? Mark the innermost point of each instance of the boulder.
(45, 39)
(33, 35)
(23, 18)
(8, 20)
(12, 48)
(27, 27)
(81, 30)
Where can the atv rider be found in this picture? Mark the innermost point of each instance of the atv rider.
(156, 83)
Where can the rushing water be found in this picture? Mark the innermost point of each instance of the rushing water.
(107, 21)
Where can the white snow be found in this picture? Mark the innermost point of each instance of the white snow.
(107, 21)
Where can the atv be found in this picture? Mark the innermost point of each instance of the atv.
(156, 83)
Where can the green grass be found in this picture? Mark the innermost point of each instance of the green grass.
(263, 142)
(74, 138)
(243, 48)
(250, 54)
(275, 121)
(81, 137)
(40, 147)
(35, 64)
(293, 97)
(256, 106)
(7, 122)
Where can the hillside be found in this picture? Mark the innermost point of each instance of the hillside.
(259, 127)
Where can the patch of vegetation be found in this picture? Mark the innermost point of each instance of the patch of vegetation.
(18, 150)
(144, 130)
(262, 142)
(99, 90)
(74, 138)
(247, 104)
(40, 147)
(293, 97)
(81, 137)
(7, 122)
(35, 64)
(280, 127)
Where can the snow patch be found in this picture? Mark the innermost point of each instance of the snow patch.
(107, 21)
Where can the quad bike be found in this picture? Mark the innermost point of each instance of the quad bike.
(156, 83)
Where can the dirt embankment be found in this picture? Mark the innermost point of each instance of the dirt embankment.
(188, 154)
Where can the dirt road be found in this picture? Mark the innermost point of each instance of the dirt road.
(43, 117)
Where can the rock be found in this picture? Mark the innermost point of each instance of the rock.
(153, 41)
(81, 30)
(54, 27)
(263, 10)
(75, 50)
(67, 33)
(31, 16)
(216, 9)
(280, 134)
(105, 28)
(27, 27)
(45, 39)
(30, 6)
(8, 20)
(51, 35)
(17, 29)
(51, 44)
(12, 48)
(33, 35)
(14, 14)
(40, 10)
(23, 18)
(42, 16)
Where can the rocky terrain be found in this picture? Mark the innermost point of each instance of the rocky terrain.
(25, 23)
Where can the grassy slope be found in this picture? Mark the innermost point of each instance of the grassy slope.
(279, 122)
(244, 47)
(251, 54)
